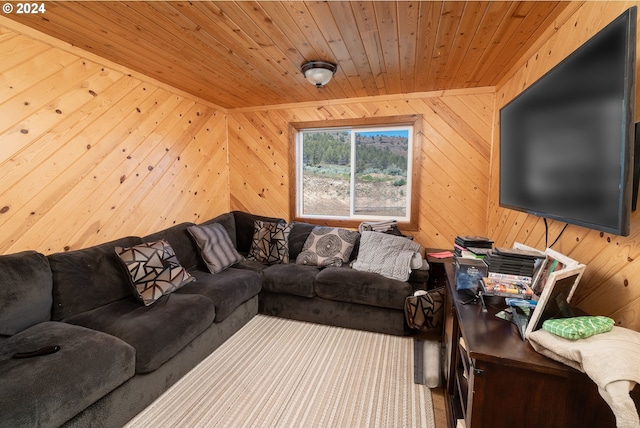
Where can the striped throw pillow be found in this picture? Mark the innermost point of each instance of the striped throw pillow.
(216, 247)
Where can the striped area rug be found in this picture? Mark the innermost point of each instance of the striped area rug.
(276, 372)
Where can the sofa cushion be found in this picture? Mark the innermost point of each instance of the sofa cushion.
(154, 270)
(348, 285)
(180, 240)
(270, 242)
(228, 289)
(157, 332)
(244, 229)
(88, 278)
(216, 248)
(25, 291)
(251, 265)
(51, 389)
(331, 312)
(290, 278)
(297, 237)
(327, 246)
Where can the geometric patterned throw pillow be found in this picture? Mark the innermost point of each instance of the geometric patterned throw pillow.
(327, 246)
(270, 243)
(425, 310)
(154, 270)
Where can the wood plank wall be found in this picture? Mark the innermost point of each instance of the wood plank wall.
(611, 283)
(457, 131)
(89, 153)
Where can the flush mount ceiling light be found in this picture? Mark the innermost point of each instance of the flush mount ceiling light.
(319, 73)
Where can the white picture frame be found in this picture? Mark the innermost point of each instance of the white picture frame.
(553, 262)
(567, 261)
(559, 284)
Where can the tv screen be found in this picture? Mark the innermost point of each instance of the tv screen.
(567, 141)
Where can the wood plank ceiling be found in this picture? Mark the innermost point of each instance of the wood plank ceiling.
(249, 53)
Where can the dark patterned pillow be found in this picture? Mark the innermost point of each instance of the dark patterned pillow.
(154, 270)
(215, 245)
(425, 309)
(327, 246)
(270, 242)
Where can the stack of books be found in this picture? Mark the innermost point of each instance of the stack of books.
(469, 265)
(472, 246)
(513, 261)
(506, 287)
(511, 272)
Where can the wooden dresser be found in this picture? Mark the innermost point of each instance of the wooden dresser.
(494, 379)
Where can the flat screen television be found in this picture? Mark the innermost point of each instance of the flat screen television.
(567, 141)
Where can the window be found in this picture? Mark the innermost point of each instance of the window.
(351, 173)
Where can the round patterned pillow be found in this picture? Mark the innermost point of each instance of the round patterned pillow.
(327, 246)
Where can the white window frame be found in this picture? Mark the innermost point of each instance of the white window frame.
(411, 123)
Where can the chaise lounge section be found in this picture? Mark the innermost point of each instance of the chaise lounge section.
(118, 353)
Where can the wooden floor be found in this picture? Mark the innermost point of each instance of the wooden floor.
(437, 397)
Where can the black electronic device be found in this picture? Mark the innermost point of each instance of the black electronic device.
(567, 142)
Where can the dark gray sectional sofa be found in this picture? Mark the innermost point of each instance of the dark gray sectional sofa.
(117, 355)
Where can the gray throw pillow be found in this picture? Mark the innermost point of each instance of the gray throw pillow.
(216, 247)
(154, 270)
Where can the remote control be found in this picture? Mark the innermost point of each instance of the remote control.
(42, 351)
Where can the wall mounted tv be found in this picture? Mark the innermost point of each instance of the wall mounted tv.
(567, 141)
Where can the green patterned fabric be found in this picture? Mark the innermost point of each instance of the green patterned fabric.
(578, 327)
